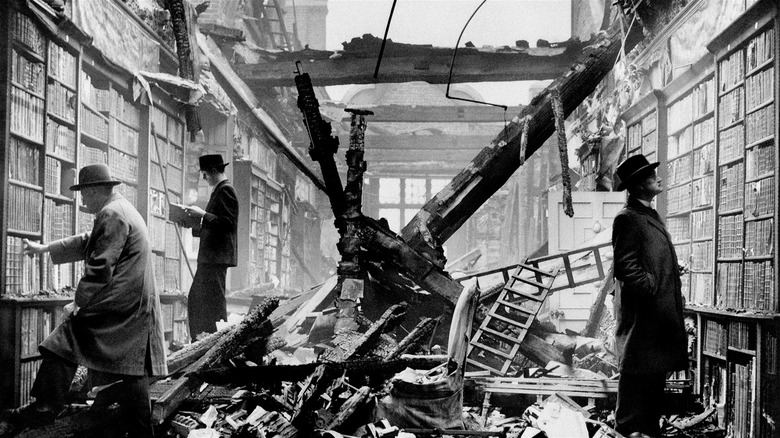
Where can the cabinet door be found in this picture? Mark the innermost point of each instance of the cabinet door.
(593, 215)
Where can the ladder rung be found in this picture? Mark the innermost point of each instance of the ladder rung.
(531, 282)
(509, 321)
(517, 307)
(537, 270)
(492, 350)
(503, 335)
(483, 366)
(539, 298)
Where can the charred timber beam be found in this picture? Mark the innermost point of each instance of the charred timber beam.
(270, 374)
(432, 66)
(444, 214)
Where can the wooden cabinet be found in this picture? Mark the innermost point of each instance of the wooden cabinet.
(24, 322)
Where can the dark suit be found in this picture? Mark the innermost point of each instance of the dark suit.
(217, 251)
(650, 334)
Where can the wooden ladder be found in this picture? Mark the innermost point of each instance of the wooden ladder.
(273, 19)
(497, 341)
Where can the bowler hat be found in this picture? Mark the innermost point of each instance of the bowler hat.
(631, 168)
(213, 160)
(94, 175)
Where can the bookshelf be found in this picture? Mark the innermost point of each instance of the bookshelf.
(168, 140)
(64, 107)
(689, 176)
(745, 290)
(261, 221)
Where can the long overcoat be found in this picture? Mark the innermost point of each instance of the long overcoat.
(119, 323)
(217, 232)
(650, 333)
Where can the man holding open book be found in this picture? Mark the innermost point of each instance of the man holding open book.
(216, 226)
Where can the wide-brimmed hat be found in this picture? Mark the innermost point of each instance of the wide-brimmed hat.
(213, 160)
(632, 168)
(94, 175)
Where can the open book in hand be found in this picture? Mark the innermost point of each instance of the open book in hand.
(178, 214)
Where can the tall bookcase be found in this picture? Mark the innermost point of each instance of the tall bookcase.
(260, 255)
(740, 330)
(63, 108)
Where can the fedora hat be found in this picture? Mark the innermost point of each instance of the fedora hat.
(94, 175)
(209, 161)
(631, 168)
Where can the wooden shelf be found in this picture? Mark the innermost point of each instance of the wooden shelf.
(731, 124)
(759, 142)
(760, 177)
(95, 142)
(58, 197)
(730, 212)
(713, 355)
(28, 52)
(26, 138)
(759, 106)
(730, 161)
(760, 258)
(759, 218)
(61, 119)
(26, 185)
(61, 158)
(27, 90)
(760, 67)
(731, 88)
(71, 88)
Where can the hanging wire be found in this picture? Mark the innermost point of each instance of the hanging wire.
(384, 40)
(452, 65)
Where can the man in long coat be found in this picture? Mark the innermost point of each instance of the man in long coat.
(114, 325)
(650, 334)
(216, 226)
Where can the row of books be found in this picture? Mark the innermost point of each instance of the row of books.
(93, 124)
(678, 199)
(679, 228)
(703, 160)
(731, 71)
(52, 181)
(760, 124)
(23, 161)
(759, 160)
(680, 113)
(124, 109)
(62, 65)
(122, 137)
(158, 261)
(649, 123)
(704, 132)
(679, 170)
(715, 378)
(59, 224)
(715, 337)
(771, 357)
(732, 185)
(703, 98)
(172, 275)
(167, 126)
(729, 292)
(702, 224)
(741, 404)
(759, 238)
(703, 191)
(27, 74)
(89, 155)
(27, 114)
(129, 192)
(731, 107)
(27, 372)
(123, 166)
(156, 227)
(25, 31)
(172, 247)
(730, 236)
(634, 136)
(24, 209)
(94, 96)
(741, 335)
(760, 198)
(760, 49)
(731, 143)
(759, 289)
(35, 324)
(701, 256)
(61, 141)
(61, 102)
(760, 88)
(22, 273)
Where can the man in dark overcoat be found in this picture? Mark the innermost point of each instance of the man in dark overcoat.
(650, 334)
(113, 327)
(216, 226)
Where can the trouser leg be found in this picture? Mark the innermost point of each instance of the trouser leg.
(639, 403)
(206, 302)
(52, 382)
(132, 395)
